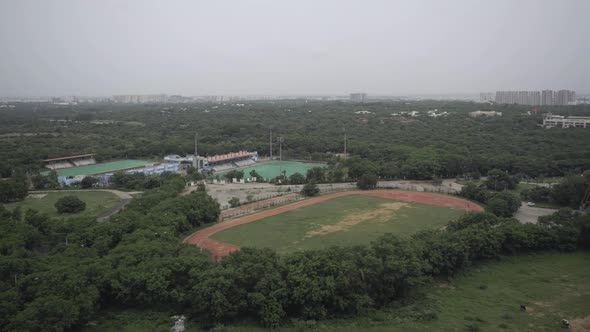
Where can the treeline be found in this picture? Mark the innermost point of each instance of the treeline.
(493, 192)
(398, 146)
(57, 274)
(344, 282)
(13, 189)
(569, 192)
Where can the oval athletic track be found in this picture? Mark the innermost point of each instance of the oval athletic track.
(219, 249)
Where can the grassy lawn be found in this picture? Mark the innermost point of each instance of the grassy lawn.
(553, 286)
(343, 221)
(96, 202)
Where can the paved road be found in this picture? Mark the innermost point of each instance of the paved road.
(529, 214)
(124, 196)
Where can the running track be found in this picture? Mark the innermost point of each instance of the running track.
(219, 249)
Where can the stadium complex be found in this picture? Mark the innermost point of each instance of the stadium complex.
(73, 169)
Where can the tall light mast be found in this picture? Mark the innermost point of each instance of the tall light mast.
(344, 129)
(270, 143)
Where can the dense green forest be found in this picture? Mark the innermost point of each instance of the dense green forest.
(59, 273)
(400, 146)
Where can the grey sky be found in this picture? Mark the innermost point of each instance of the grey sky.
(102, 47)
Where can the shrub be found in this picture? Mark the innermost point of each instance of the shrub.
(367, 181)
(70, 204)
(88, 182)
(503, 204)
(234, 202)
(310, 189)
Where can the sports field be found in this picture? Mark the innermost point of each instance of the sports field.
(273, 169)
(96, 202)
(343, 221)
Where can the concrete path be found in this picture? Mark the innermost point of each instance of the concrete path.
(530, 214)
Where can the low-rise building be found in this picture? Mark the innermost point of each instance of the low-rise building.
(484, 113)
(560, 121)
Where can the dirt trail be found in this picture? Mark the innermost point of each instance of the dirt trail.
(219, 249)
(381, 214)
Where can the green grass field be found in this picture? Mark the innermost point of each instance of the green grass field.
(96, 202)
(553, 286)
(273, 169)
(343, 221)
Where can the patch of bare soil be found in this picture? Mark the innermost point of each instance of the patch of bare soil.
(383, 213)
(580, 324)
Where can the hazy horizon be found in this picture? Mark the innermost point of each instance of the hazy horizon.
(387, 48)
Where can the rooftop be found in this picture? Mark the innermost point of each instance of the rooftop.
(71, 157)
(102, 168)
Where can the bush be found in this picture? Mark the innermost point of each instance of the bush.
(88, 182)
(537, 194)
(234, 202)
(499, 180)
(70, 204)
(310, 189)
(474, 192)
(503, 204)
(296, 178)
(367, 181)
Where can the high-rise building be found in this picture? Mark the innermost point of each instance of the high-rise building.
(565, 97)
(533, 98)
(486, 97)
(547, 97)
(358, 97)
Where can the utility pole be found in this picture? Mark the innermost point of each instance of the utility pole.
(270, 143)
(585, 199)
(344, 129)
(196, 157)
(196, 152)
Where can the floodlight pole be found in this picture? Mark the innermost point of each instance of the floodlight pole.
(270, 143)
(344, 129)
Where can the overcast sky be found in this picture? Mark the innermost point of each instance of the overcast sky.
(103, 47)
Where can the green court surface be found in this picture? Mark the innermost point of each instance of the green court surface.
(342, 221)
(101, 168)
(96, 202)
(273, 169)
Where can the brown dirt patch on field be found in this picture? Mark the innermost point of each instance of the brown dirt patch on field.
(580, 324)
(381, 214)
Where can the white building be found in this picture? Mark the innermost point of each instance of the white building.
(484, 113)
(560, 121)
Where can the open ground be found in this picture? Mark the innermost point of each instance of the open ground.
(97, 202)
(218, 248)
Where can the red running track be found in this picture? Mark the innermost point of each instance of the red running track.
(219, 249)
